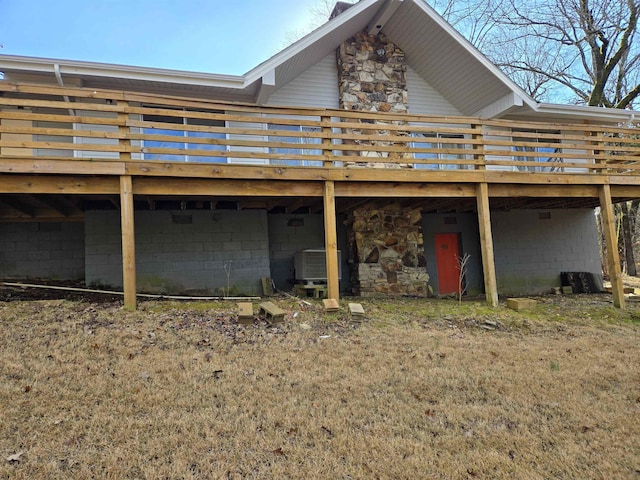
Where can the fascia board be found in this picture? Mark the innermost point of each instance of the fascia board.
(307, 41)
(596, 113)
(46, 65)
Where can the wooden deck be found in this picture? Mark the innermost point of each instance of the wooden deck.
(58, 144)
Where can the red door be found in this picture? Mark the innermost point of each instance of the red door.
(447, 253)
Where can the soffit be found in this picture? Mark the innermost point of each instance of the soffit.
(444, 59)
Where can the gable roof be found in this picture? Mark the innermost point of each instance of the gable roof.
(434, 49)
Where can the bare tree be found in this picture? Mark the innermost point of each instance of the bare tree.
(566, 51)
(462, 266)
(575, 51)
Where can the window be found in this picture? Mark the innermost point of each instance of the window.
(301, 145)
(184, 138)
(543, 154)
(433, 141)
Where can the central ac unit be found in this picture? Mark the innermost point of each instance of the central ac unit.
(311, 265)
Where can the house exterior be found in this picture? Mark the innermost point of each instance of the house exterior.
(383, 138)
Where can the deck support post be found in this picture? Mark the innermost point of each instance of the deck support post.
(331, 240)
(128, 242)
(613, 257)
(486, 244)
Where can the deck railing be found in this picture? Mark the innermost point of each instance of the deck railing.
(84, 124)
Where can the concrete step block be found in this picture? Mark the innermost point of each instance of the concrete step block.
(356, 312)
(331, 305)
(245, 313)
(519, 304)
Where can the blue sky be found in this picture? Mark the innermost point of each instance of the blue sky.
(214, 36)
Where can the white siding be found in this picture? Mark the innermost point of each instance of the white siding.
(424, 99)
(316, 87)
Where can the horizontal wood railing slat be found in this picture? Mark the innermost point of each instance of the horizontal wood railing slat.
(120, 124)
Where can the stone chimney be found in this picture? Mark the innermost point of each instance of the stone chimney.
(386, 250)
(372, 74)
(385, 243)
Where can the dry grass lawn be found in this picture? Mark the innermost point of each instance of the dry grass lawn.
(421, 389)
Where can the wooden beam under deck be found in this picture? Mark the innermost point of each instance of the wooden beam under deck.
(61, 166)
(59, 184)
(109, 185)
(215, 187)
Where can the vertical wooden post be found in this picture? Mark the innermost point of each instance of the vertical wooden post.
(327, 147)
(123, 129)
(128, 242)
(613, 258)
(478, 149)
(486, 245)
(331, 240)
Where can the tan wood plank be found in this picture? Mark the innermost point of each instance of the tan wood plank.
(63, 132)
(331, 240)
(486, 245)
(33, 184)
(37, 103)
(492, 176)
(9, 132)
(420, 190)
(506, 191)
(623, 180)
(215, 187)
(72, 146)
(625, 191)
(478, 148)
(47, 117)
(327, 141)
(73, 167)
(124, 143)
(611, 238)
(151, 168)
(128, 242)
(576, 127)
(40, 89)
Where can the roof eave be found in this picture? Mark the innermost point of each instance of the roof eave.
(600, 114)
(156, 75)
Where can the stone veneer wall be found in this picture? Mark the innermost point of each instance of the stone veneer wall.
(387, 248)
(372, 77)
(372, 74)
